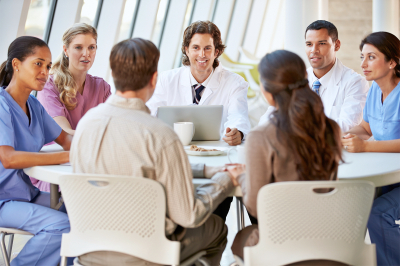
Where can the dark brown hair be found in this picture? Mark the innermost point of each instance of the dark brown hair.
(300, 119)
(202, 27)
(133, 62)
(20, 48)
(388, 44)
(323, 24)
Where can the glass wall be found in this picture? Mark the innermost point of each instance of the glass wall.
(186, 23)
(37, 18)
(88, 12)
(160, 20)
(127, 20)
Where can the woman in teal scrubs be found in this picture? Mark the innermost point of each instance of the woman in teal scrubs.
(25, 127)
(380, 61)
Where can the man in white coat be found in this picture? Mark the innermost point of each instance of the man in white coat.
(201, 80)
(343, 91)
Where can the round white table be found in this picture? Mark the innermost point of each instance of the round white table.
(380, 168)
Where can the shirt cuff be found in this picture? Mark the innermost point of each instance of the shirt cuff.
(197, 170)
(225, 181)
(244, 135)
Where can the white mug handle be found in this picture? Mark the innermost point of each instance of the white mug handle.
(229, 151)
(194, 130)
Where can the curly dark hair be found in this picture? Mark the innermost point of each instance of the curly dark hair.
(202, 27)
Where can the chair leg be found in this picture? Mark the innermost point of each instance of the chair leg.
(10, 245)
(3, 249)
(63, 261)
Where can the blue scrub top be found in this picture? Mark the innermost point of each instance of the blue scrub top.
(383, 118)
(22, 136)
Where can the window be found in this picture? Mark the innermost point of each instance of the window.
(88, 12)
(127, 19)
(186, 23)
(37, 18)
(160, 21)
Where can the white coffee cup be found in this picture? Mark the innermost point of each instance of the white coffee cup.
(185, 131)
(241, 154)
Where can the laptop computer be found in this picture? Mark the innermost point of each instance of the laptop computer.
(206, 119)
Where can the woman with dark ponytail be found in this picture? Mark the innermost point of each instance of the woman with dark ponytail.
(299, 143)
(25, 127)
(380, 62)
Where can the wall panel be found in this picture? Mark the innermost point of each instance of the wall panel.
(12, 23)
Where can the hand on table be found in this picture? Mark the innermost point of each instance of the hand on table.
(352, 143)
(233, 136)
(234, 170)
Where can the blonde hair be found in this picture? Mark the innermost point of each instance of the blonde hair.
(62, 77)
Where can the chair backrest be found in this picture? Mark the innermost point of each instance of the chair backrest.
(117, 213)
(296, 223)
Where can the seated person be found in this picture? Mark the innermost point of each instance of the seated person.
(297, 134)
(120, 137)
(380, 57)
(201, 80)
(25, 127)
(70, 91)
(343, 92)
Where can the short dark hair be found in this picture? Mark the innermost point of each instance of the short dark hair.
(388, 44)
(20, 48)
(133, 62)
(202, 27)
(323, 24)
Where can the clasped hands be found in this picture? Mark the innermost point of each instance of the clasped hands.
(233, 136)
(233, 170)
(353, 143)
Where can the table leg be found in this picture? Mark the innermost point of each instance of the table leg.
(240, 214)
(54, 196)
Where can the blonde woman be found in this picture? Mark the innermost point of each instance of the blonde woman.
(70, 91)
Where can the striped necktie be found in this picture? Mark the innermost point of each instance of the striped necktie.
(198, 88)
(315, 86)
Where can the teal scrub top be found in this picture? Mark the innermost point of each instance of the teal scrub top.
(383, 118)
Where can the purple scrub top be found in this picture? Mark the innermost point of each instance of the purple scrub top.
(96, 91)
(17, 132)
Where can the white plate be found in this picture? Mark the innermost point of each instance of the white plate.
(204, 153)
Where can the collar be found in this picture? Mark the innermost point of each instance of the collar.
(324, 80)
(127, 103)
(193, 81)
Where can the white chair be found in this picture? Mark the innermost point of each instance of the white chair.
(120, 214)
(9, 231)
(298, 224)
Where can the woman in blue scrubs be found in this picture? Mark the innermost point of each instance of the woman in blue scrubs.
(25, 127)
(380, 57)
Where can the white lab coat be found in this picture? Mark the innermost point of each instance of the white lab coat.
(224, 88)
(344, 96)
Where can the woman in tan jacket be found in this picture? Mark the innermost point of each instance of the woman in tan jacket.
(298, 144)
